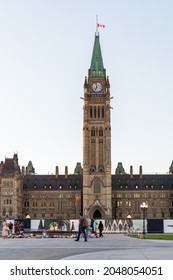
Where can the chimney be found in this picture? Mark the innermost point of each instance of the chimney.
(56, 172)
(140, 171)
(66, 172)
(23, 170)
(131, 171)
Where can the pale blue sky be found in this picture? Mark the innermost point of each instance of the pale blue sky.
(45, 53)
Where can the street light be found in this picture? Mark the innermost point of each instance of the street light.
(28, 217)
(144, 207)
(129, 221)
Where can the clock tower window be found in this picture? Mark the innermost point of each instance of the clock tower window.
(91, 112)
(94, 111)
(97, 185)
(103, 112)
(99, 112)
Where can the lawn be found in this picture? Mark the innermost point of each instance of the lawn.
(160, 236)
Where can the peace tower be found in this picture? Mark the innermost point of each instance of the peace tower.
(97, 139)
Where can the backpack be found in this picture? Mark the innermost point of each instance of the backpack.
(84, 223)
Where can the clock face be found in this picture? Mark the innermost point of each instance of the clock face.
(96, 87)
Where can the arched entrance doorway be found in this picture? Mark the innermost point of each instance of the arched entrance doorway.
(97, 215)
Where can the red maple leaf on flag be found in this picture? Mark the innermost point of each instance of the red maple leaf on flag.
(100, 25)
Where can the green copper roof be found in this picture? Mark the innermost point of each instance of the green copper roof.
(97, 68)
(120, 168)
(78, 168)
(30, 166)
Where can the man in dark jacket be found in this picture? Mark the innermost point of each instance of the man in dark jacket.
(81, 228)
(100, 227)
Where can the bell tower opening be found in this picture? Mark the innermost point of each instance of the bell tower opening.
(97, 215)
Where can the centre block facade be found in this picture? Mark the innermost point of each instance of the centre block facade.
(92, 189)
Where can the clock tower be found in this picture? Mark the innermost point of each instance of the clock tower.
(97, 189)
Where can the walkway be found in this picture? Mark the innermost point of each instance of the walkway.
(110, 247)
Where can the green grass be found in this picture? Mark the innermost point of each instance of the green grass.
(161, 236)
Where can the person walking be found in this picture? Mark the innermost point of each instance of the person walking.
(100, 228)
(92, 225)
(5, 229)
(82, 228)
(95, 226)
(21, 228)
(15, 227)
(10, 229)
(88, 224)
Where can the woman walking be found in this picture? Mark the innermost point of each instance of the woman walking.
(5, 229)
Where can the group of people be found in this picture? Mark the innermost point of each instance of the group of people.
(8, 228)
(86, 224)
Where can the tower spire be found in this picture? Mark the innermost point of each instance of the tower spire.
(96, 67)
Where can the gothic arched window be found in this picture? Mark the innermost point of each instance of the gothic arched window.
(95, 114)
(101, 132)
(4, 211)
(91, 112)
(98, 112)
(10, 212)
(97, 185)
(103, 112)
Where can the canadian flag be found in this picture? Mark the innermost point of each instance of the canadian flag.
(100, 25)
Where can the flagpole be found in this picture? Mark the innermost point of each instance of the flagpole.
(97, 26)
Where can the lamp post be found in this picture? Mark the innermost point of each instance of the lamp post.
(27, 223)
(129, 221)
(28, 217)
(144, 207)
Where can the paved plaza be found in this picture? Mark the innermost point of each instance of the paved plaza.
(110, 247)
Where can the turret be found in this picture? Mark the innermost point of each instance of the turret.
(30, 169)
(120, 169)
(78, 168)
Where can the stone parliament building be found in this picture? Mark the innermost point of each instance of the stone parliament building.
(92, 189)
